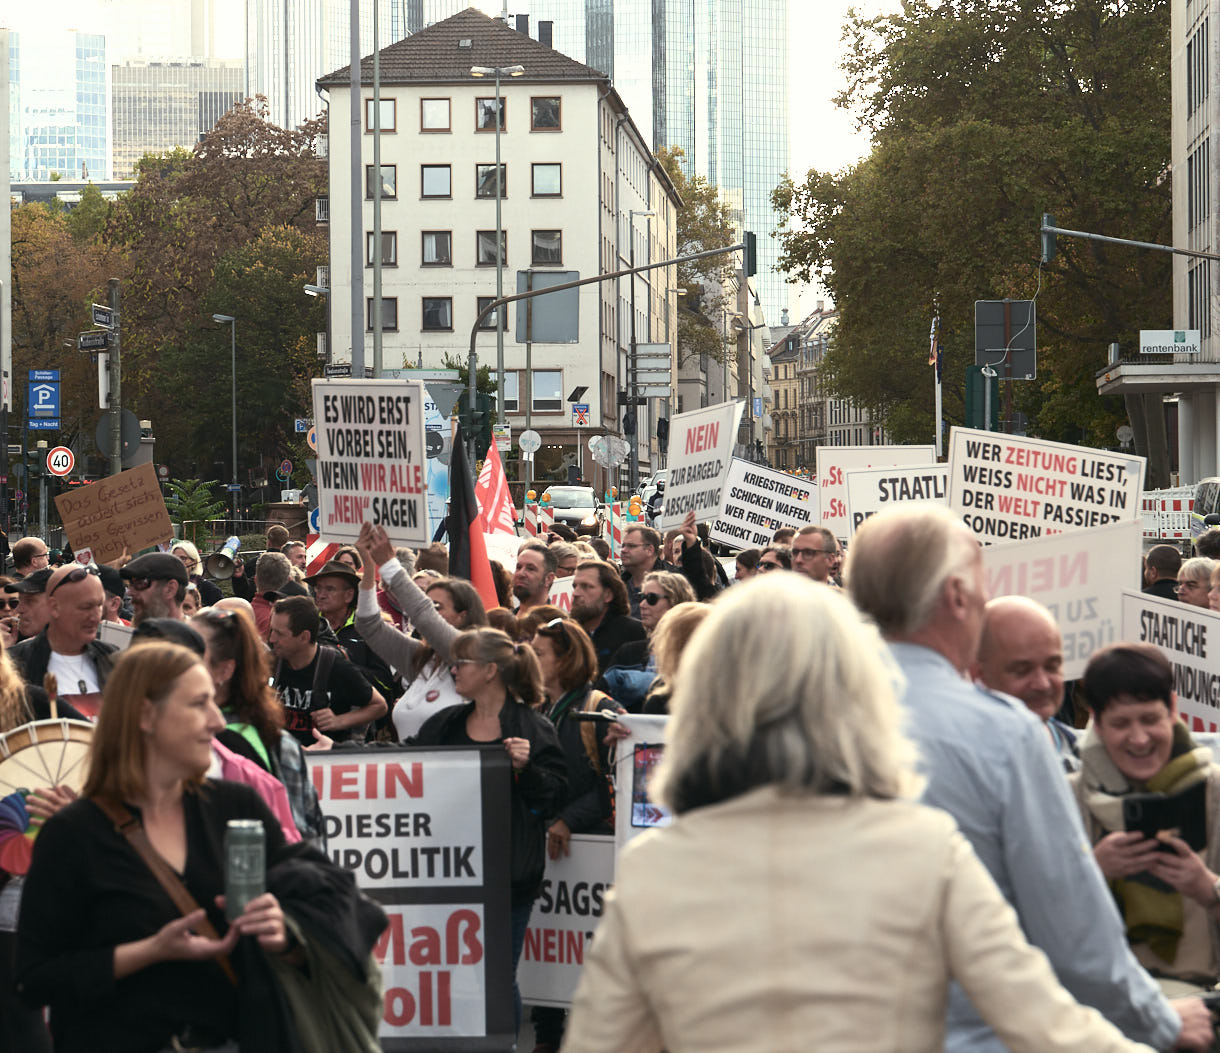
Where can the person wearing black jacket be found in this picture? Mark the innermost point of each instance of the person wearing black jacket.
(600, 605)
(502, 681)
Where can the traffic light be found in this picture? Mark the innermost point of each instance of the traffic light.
(750, 256)
(1048, 239)
(477, 424)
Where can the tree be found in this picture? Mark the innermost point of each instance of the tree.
(703, 223)
(191, 504)
(983, 115)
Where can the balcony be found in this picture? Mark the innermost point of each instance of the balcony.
(321, 209)
(323, 278)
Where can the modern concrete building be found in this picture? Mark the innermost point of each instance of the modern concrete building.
(582, 195)
(159, 105)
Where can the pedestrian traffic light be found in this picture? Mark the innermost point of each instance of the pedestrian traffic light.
(750, 256)
(1048, 239)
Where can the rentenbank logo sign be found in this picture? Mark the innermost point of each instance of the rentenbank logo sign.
(1169, 342)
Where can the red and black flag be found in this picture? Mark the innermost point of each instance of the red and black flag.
(467, 551)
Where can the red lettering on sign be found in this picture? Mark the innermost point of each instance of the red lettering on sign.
(702, 437)
(344, 782)
(461, 943)
(554, 946)
(389, 781)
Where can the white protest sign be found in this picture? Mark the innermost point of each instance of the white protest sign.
(503, 549)
(372, 459)
(565, 916)
(760, 501)
(870, 490)
(1010, 488)
(561, 594)
(1079, 577)
(833, 464)
(700, 451)
(1181, 631)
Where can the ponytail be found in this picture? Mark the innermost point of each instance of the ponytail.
(517, 663)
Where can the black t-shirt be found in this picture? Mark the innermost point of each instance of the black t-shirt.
(345, 687)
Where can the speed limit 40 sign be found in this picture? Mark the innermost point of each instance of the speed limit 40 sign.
(61, 461)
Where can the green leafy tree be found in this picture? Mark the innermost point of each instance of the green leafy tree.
(703, 223)
(984, 114)
(191, 504)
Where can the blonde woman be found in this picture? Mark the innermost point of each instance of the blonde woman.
(840, 909)
(189, 554)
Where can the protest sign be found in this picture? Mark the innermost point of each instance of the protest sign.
(833, 464)
(124, 511)
(425, 833)
(372, 459)
(869, 490)
(1079, 577)
(561, 594)
(565, 916)
(1181, 631)
(1010, 488)
(637, 758)
(700, 451)
(760, 501)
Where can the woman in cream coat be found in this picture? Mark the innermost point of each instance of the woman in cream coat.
(801, 900)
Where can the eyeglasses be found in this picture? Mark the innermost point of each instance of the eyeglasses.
(764, 567)
(798, 553)
(140, 584)
(631, 544)
(652, 598)
(453, 665)
(72, 577)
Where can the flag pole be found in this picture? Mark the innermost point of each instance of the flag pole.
(935, 360)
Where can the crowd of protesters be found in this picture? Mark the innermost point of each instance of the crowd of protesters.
(893, 828)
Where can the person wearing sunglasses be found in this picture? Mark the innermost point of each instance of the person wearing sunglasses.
(775, 557)
(502, 684)
(157, 584)
(32, 614)
(1194, 577)
(68, 647)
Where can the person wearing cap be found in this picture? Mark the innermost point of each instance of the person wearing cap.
(32, 612)
(29, 554)
(156, 582)
(335, 588)
(116, 594)
(68, 647)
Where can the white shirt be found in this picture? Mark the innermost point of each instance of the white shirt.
(74, 673)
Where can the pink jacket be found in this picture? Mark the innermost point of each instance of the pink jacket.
(237, 768)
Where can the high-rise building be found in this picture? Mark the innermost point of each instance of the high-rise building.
(709, 76)
(59, 123)
(290, 44)
(160, 105)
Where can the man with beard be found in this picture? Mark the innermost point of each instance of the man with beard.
(599, 605)
(534, 576)
(157, 584)
(33, 612)
(296, 553)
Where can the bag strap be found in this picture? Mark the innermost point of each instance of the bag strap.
(131, 828)
(321, 672)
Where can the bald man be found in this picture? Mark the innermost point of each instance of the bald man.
(1021, 654)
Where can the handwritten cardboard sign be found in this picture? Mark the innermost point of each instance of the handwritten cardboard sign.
(372, 459)
(124, 511)
(1010, 488)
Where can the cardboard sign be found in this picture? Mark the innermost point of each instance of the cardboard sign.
(760, 501)
(700, 452)
(833, 464)
(425, 832)
(869, 490)
(1078, 576)
(1190, 638)
(1009, 488)
(124, 511)
(564, 919)
(372, 459)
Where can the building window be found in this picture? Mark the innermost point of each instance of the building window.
(512, 399)
(485, 248)
(389, 313)
(434, 115)
(438, 313)
(389, 115)
(545, 113)
(547, 180)
(389, 181)
(1198, 307)
(436, 181)
(485, 114)
(489, 323)
(547, 248)
(546, 390)
(389, 248)
(437, 248)
(485, 181)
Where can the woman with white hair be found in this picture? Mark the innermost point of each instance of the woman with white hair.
(840, 909)
(189, 554)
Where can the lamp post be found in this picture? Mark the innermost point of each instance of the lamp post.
(497, 72)
(233, 349)
(633, 437)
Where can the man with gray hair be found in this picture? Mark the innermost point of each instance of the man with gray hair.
(918, 572)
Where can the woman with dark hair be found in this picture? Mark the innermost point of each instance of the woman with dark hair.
(1167, 889)
(350, 555)
(502, 684)
(439, 615)
(747, 564)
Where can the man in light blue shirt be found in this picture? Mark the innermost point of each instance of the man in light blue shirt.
(918, 572)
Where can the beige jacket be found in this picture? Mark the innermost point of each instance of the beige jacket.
(771, 924)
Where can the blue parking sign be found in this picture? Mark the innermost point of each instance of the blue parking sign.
(42, 399)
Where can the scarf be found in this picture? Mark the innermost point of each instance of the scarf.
(1153, 913)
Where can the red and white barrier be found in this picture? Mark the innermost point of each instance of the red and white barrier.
(1166, 513)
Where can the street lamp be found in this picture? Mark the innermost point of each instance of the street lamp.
(632, 386)
(233, 348)
(497, 72)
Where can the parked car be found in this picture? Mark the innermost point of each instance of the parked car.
(577, 507)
